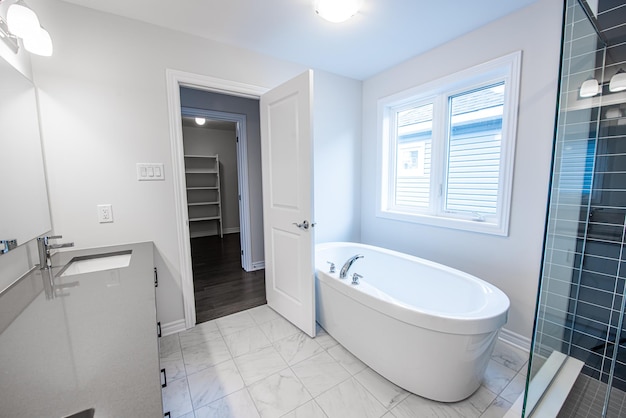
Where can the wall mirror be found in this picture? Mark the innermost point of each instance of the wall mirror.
(24, 210)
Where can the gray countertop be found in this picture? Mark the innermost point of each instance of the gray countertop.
(91, 342)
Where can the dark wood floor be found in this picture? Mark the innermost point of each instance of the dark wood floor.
(221, 286)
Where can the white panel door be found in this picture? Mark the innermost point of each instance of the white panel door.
(287, 158)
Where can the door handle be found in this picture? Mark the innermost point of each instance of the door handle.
(304, 225)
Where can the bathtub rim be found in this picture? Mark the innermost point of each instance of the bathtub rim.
(481, 321)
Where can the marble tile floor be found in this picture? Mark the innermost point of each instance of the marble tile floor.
(257, 364)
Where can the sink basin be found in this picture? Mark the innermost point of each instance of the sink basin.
(87, 413)
(96, 262)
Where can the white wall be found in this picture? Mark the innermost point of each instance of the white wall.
(104, 109)
(512, 263)
(337, 154)
(222, 142)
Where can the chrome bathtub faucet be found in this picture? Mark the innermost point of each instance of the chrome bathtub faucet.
(355, 278)
(348, 264)
(331, 267)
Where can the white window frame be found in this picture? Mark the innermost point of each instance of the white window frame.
(507, 69)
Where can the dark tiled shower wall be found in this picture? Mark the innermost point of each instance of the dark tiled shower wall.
(571, 182)
(612, 23)
(596, 299)
(591, 284)
(584, 269)
(603, 259)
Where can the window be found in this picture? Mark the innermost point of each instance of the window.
(446, 149)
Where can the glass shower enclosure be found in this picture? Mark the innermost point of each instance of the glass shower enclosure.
(581, 303)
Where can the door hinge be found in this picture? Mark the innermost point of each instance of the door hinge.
(156, 278)
(163, 378)
(237, 139)
(241, 252)
(159, 329)
(240, 198)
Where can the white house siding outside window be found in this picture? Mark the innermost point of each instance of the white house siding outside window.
(447, 149)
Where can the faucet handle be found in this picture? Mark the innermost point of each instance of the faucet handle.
(45, 238)
(332, 267)
(355, 278)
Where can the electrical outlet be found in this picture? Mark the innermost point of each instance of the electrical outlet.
(105, 214)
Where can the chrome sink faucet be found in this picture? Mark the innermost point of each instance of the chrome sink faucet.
(44, 247)
(346, 266)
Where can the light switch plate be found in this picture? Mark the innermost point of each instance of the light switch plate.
(150, 171)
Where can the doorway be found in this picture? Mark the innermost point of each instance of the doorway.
(203, 94)
(224, 282)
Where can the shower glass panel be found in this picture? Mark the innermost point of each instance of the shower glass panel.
(580, 307)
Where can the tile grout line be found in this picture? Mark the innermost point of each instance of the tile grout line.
(232, 357)
(245, 387)
(289, 367)
(313, 398)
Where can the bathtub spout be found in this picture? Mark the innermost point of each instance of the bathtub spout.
(348, 264)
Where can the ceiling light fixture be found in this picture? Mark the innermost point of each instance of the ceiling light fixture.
(24, 23)
(589, 88)
(618, 82)
(337, 11)
(200, 121)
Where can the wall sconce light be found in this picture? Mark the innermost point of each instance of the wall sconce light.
(23, 23)
(40, 44)
(22, 20)
(589, 88)
(618, 82)
(9, 39)
(337, 11)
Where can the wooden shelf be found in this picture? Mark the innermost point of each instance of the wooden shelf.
(201, 171)
(202, 203)
(206, 218)
(212, 211)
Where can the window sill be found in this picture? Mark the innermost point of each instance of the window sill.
(483, 227)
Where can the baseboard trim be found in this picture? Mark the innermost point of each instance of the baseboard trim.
(173, 327)
(515, 339)
(231, 230)
(258, 265)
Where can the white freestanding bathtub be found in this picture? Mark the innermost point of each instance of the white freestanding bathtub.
(428, 328)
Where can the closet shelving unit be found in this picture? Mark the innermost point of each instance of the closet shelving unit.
(204, 204)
